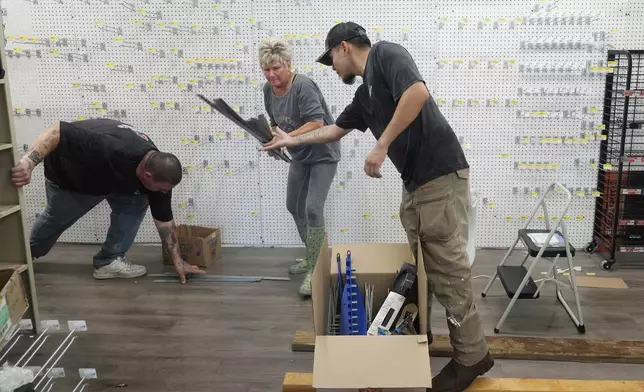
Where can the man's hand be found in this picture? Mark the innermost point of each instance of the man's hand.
(170, 244)
(21, 173)
(374, 161)
(184, 268)
(280, 139)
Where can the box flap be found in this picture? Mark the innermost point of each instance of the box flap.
(371, 362)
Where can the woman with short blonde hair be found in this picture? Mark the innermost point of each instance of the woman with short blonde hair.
(295, 105)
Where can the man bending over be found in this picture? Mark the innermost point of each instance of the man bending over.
(89, 161)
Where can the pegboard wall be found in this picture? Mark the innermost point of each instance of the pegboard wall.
(521, 82)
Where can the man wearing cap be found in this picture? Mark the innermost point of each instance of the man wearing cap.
(394, 103)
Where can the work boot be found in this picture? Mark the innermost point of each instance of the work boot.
(456, 378)
(299, 268)
(119, 268)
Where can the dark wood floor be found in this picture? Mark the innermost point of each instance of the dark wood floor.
(235, 337)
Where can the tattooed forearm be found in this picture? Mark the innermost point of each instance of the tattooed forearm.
(169, 239)
(44, 144)
(35, 157)
(320, 135)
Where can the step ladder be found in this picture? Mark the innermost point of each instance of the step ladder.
(549, 244)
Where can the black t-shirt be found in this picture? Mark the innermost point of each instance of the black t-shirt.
(100, 157)
(428, 148)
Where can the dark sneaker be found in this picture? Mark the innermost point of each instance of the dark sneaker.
(456, 378)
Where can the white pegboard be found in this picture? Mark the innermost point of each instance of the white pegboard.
(510, 76)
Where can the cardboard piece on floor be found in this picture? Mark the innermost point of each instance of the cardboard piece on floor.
(354, 362)
(599, 282)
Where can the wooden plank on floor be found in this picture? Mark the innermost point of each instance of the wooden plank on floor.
(528, 348)
(302, 382)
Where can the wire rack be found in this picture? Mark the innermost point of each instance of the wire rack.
(45, 374)
(618, 232)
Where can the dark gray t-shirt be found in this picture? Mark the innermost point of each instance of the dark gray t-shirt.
(304, 102)
(428, 148)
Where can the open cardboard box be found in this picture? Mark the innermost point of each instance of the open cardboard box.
(13, 300)
(398, 362)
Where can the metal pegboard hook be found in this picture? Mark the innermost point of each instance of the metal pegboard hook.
(55, 362)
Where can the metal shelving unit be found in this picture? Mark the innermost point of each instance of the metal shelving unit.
(619, 213)
(14, 237)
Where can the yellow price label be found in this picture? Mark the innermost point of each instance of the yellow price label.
(366, 216)
(81, 118)
(252, 20)
(196, 27)
(76, 84)
(339, 187)
(129, 84)
(209, 168)
(535, 194)
(395, 216)
(608, 166)
(138, 22)
(602, 137)
(508, 218)
(182, 85)
(580, 217)
(118, 39)
(229, 172)
(593, 110)
(191, 217)
(182, 205)
(541, 217)
(220, 134)
(600, 126)
(230, 22)
(344, 230)
(111, 65)
(596, 193)
(42, 204)
(524, 217)
(505, 155)
(514, 102)
(53, 51)
(464, 20)
(405, 29)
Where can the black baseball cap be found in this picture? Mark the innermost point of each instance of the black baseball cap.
(341, 32)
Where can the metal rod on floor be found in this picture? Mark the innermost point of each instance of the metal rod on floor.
(34, 353)
(9, 349)
(51, 386)
(79, 384)
(50, 383)
(83, 388)
(56, 362)
(42, 335)
(53, 355)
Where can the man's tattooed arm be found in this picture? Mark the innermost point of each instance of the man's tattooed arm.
(44, 144)
(169, 238)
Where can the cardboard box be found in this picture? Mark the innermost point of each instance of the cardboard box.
(13, 301)
(200, 246)
(399, 362)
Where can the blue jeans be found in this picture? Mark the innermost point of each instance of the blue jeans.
(65, 207)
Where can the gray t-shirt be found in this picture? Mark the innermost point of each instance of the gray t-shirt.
(428, 148)
(302, 103)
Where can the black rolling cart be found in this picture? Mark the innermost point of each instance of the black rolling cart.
(618, 232)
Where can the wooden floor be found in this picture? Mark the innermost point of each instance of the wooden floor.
(236, 337)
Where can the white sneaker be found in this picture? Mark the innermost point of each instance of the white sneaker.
(119, 268)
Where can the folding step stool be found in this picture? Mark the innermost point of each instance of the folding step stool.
(517, 281)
